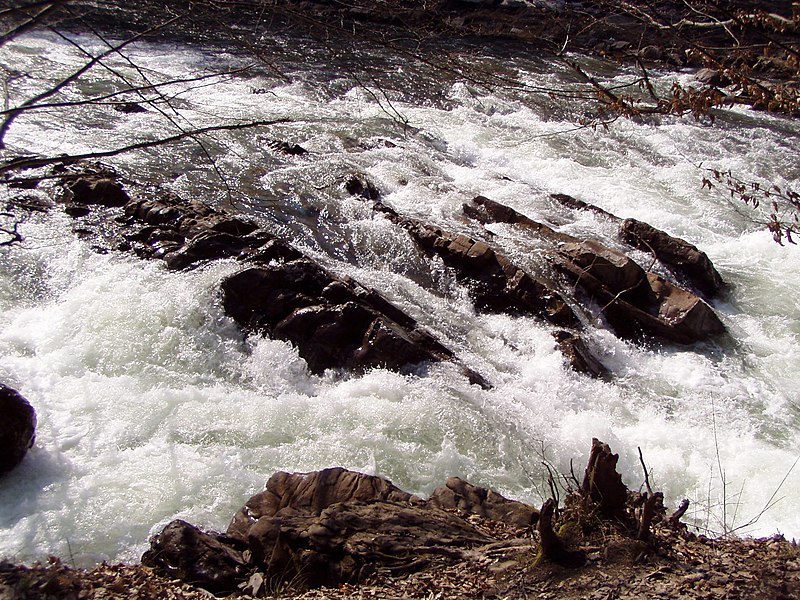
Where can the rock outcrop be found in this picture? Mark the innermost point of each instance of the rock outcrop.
(635, 303)
(335, 526)
(17, 428)
(333, 321)
(689, 265)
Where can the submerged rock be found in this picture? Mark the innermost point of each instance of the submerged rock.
(17, 428)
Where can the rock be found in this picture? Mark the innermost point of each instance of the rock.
(496, 284)
(681, 257)
(283, 147)
(103, 192)
(711, 77)
(17, 429)
(576, 204)
(202, 559)
(467, 499)
(578, 355)
(658, 309)
(351, 540)
(129, 108)
(334, 322)
(311, 493)
(358, 185)
(617, 272)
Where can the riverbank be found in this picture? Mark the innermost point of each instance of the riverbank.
(680, 564)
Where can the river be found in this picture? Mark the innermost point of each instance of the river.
(152, 405)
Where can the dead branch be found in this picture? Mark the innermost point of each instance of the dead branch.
(652, 506)
(15, 112)
(675, 518)
(13, 232)
(30, 163)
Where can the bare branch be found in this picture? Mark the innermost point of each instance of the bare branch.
(30, 163)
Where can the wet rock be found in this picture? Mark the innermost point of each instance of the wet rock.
(496, 284)
(618, 273)
(468, 499)
(711, 77)
(658, 309)
(681, 257)
(17, 429)
(202, 559)
(578, 355)
(575, 204)
(129, 108)
(285, 148)
(103, 192)
(334, 322)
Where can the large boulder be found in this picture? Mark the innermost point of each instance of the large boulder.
(633, 302)
(334, 322)
(17, 429)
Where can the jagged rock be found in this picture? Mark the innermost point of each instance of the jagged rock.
(633, 302)
(617, 272)
(578, 355)
(663, 311)
(496, 284)
(284, 147)
(488, 211)
(680, 256)
(334, 322)
(684, 260)
(17, 428)
(575, 204)
(202, 559)
(468, 499)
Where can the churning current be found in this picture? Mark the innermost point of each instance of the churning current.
(153, 405)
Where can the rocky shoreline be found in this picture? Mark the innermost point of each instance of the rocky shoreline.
(340, 534)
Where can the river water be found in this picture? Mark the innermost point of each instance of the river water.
(152, 405)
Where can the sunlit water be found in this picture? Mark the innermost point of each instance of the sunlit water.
(152, 405)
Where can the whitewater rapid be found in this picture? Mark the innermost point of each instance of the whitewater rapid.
(152, 405)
